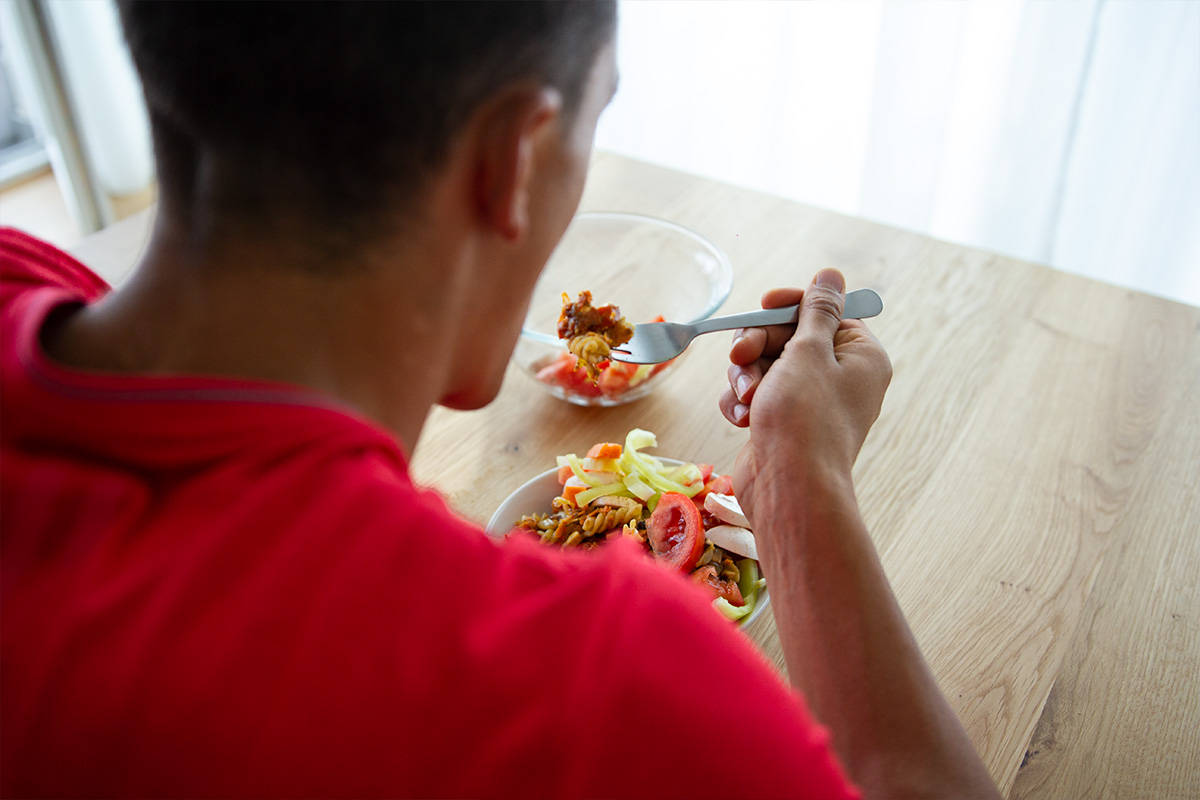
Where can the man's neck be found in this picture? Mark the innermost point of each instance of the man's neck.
(367, 334)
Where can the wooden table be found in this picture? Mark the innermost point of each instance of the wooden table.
(1032, 485)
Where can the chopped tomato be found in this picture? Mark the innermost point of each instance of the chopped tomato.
(605, 450)
(614, 379)
(698, 498)
(675, 532)
(720, 484)
(564, 373)
(707, 575)
(732, 593)
(572, 487)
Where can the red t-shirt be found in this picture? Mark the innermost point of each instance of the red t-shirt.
(216, 587)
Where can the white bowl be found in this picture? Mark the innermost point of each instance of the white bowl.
(536, 495)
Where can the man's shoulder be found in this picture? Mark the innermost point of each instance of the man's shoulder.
(28, 262)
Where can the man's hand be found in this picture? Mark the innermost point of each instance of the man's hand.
(809, 397)
(812, 392)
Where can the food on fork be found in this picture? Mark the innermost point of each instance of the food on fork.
(592, 331)
(617, 492)
(584, 373)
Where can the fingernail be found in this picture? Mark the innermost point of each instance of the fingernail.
(832, 279)
(743, 385)
(739, 412)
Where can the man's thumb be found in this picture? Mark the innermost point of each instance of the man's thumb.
(821, 311)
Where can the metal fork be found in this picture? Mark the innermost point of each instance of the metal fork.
(655, 342)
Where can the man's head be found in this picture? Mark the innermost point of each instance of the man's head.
(326, 114)
(387, 178)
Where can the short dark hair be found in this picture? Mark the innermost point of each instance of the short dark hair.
(334, 106)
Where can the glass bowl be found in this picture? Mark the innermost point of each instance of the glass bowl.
(649, 268)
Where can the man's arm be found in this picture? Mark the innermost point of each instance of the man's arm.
(809, 400)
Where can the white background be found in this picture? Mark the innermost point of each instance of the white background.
(1065, 132)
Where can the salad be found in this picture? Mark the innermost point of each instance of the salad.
(683, 514)
(614, 378)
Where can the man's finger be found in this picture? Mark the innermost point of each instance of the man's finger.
(778, 298)
(744, 380)
(821, 310)
(748, 345)
(733, 409)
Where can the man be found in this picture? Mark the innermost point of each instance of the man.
(217, 572)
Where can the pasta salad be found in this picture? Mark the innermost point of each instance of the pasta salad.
(683, 514)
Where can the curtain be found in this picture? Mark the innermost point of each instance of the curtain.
(1065, 132)
(73, 73)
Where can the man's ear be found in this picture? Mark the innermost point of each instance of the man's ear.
(510, 132)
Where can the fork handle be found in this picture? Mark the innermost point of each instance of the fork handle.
(860, 304)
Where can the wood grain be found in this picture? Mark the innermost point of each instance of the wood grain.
(1123, 717)
(1031, 483)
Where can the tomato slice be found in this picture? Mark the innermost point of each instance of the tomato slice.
(675, 531)
(707, 575)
